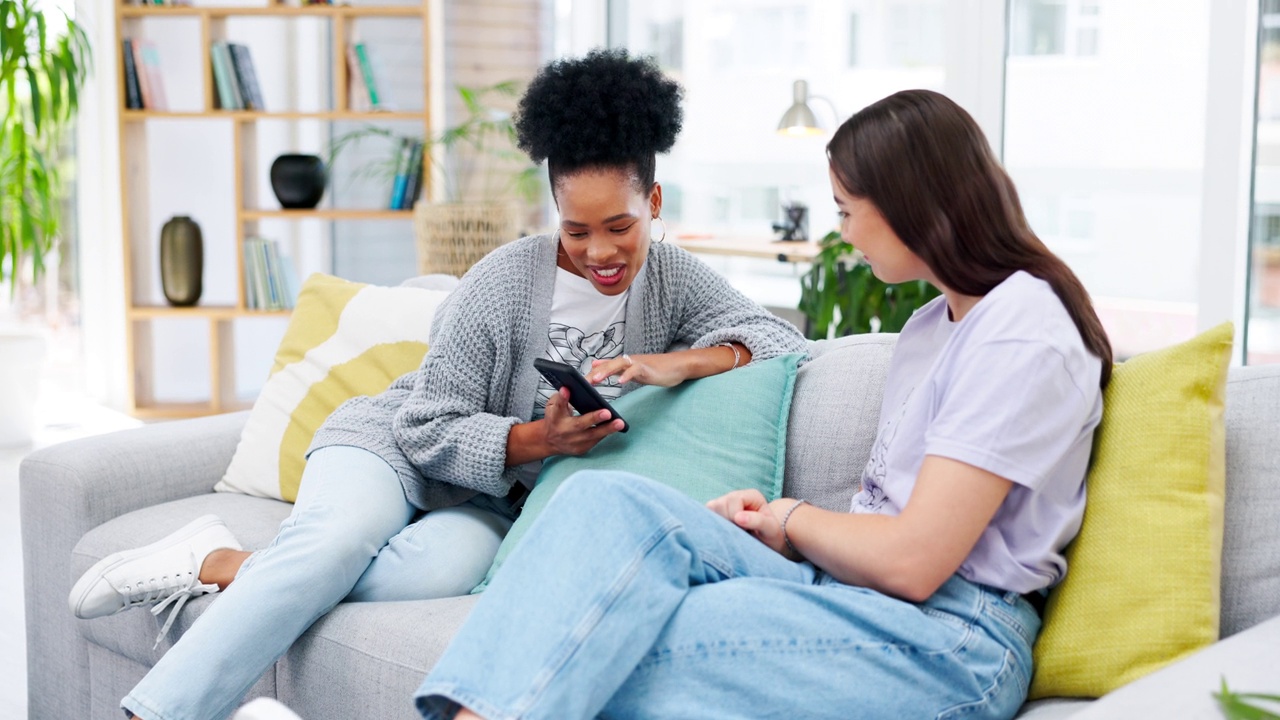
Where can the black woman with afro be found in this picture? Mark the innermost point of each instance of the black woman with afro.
(407, 494)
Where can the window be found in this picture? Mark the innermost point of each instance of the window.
(853, 40)
(1054, 27)
(730, 173)
(731, 170)
(1108, 154)
(1262, 335)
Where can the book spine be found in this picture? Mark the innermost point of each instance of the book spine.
(271, 275)
(260, 274)
(401, 178)
(413, 182)
(366, 70)
(236, 97)
(132, 92)
(359, 99)
(242, 61)
(140, 72)
(251, 298)
(221, 80)
(151, 70)
(228, 88)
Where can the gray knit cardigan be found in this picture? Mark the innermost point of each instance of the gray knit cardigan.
(444, 426)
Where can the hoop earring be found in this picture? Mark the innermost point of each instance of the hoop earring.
(664, 230)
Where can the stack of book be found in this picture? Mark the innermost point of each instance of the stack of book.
(364, 91)
(407, 184)
(269, 278)
(143, 86)
(235, 78)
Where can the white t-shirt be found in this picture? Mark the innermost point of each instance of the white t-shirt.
(585, 325)
(1010, 389)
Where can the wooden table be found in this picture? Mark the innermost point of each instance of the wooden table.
(766, 248)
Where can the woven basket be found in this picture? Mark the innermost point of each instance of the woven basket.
(454, 236)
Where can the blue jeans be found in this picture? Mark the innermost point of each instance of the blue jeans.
(349, 537)
(626, 599)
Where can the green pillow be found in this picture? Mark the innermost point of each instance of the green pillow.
(704, 437)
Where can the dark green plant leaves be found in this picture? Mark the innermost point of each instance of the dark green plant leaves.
(865, 303)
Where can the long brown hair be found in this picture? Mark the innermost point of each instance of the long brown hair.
(925, 164)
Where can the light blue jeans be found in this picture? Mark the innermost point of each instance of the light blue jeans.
(626, 599)
(349, 537)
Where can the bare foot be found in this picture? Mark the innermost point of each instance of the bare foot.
(465, 714)
(220, 566)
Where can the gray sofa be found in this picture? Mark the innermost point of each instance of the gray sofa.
(84, 499)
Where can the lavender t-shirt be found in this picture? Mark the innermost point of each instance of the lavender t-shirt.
(1010, 389)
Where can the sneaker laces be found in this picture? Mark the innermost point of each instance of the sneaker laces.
(164, 592)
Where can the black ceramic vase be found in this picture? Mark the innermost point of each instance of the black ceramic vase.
(181, 261)
(298, 180)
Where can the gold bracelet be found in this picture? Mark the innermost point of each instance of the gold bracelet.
(737, 356)
(785, 518)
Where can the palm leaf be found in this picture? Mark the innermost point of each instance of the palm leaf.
(40, 78)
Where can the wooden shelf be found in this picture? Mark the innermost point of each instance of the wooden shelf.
(326, 214)
(251, 116)
(216, 312)
(147, 328)
(175, 411)
(134, 11)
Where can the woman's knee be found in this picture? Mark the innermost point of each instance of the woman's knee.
(446, 553)
(592, 487)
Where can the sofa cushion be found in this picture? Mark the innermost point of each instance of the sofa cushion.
(344, 339)
(362, 669)
(834, 416)
(254, 522)
(704, 437)
(1142, 583)
(1251, 545)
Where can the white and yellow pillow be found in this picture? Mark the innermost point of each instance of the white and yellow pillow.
(344, 339)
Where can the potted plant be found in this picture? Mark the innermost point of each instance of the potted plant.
(42, 70)
(484, 177)
(840, 295)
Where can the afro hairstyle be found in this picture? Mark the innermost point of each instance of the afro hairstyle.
(604, 110)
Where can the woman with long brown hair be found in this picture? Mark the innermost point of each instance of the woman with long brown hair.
(627, 599)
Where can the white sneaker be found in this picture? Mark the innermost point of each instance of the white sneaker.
(162, 572)
(265, 709)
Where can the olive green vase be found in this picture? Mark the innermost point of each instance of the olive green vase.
(181, 261)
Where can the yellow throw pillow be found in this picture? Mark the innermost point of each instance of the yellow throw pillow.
(344, 339)
(1143, 575)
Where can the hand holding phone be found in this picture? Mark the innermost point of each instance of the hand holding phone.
(582, 395)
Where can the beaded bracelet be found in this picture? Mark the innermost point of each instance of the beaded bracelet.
(737, 356)
(785, 518)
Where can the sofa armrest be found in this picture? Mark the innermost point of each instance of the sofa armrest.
(95, 479)
(66, 490)
(1247, 660)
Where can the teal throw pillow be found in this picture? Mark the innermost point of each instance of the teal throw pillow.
(704, 437)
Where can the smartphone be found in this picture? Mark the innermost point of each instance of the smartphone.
(582, 396)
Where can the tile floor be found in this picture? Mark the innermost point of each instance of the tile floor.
(61, 415)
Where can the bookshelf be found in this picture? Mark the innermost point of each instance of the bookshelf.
(218, 320)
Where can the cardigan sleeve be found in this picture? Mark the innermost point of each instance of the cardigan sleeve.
(451, 425)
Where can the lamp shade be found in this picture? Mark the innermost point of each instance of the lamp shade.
(799, 118)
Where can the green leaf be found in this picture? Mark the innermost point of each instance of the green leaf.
(40, 78)
(1235, 708)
